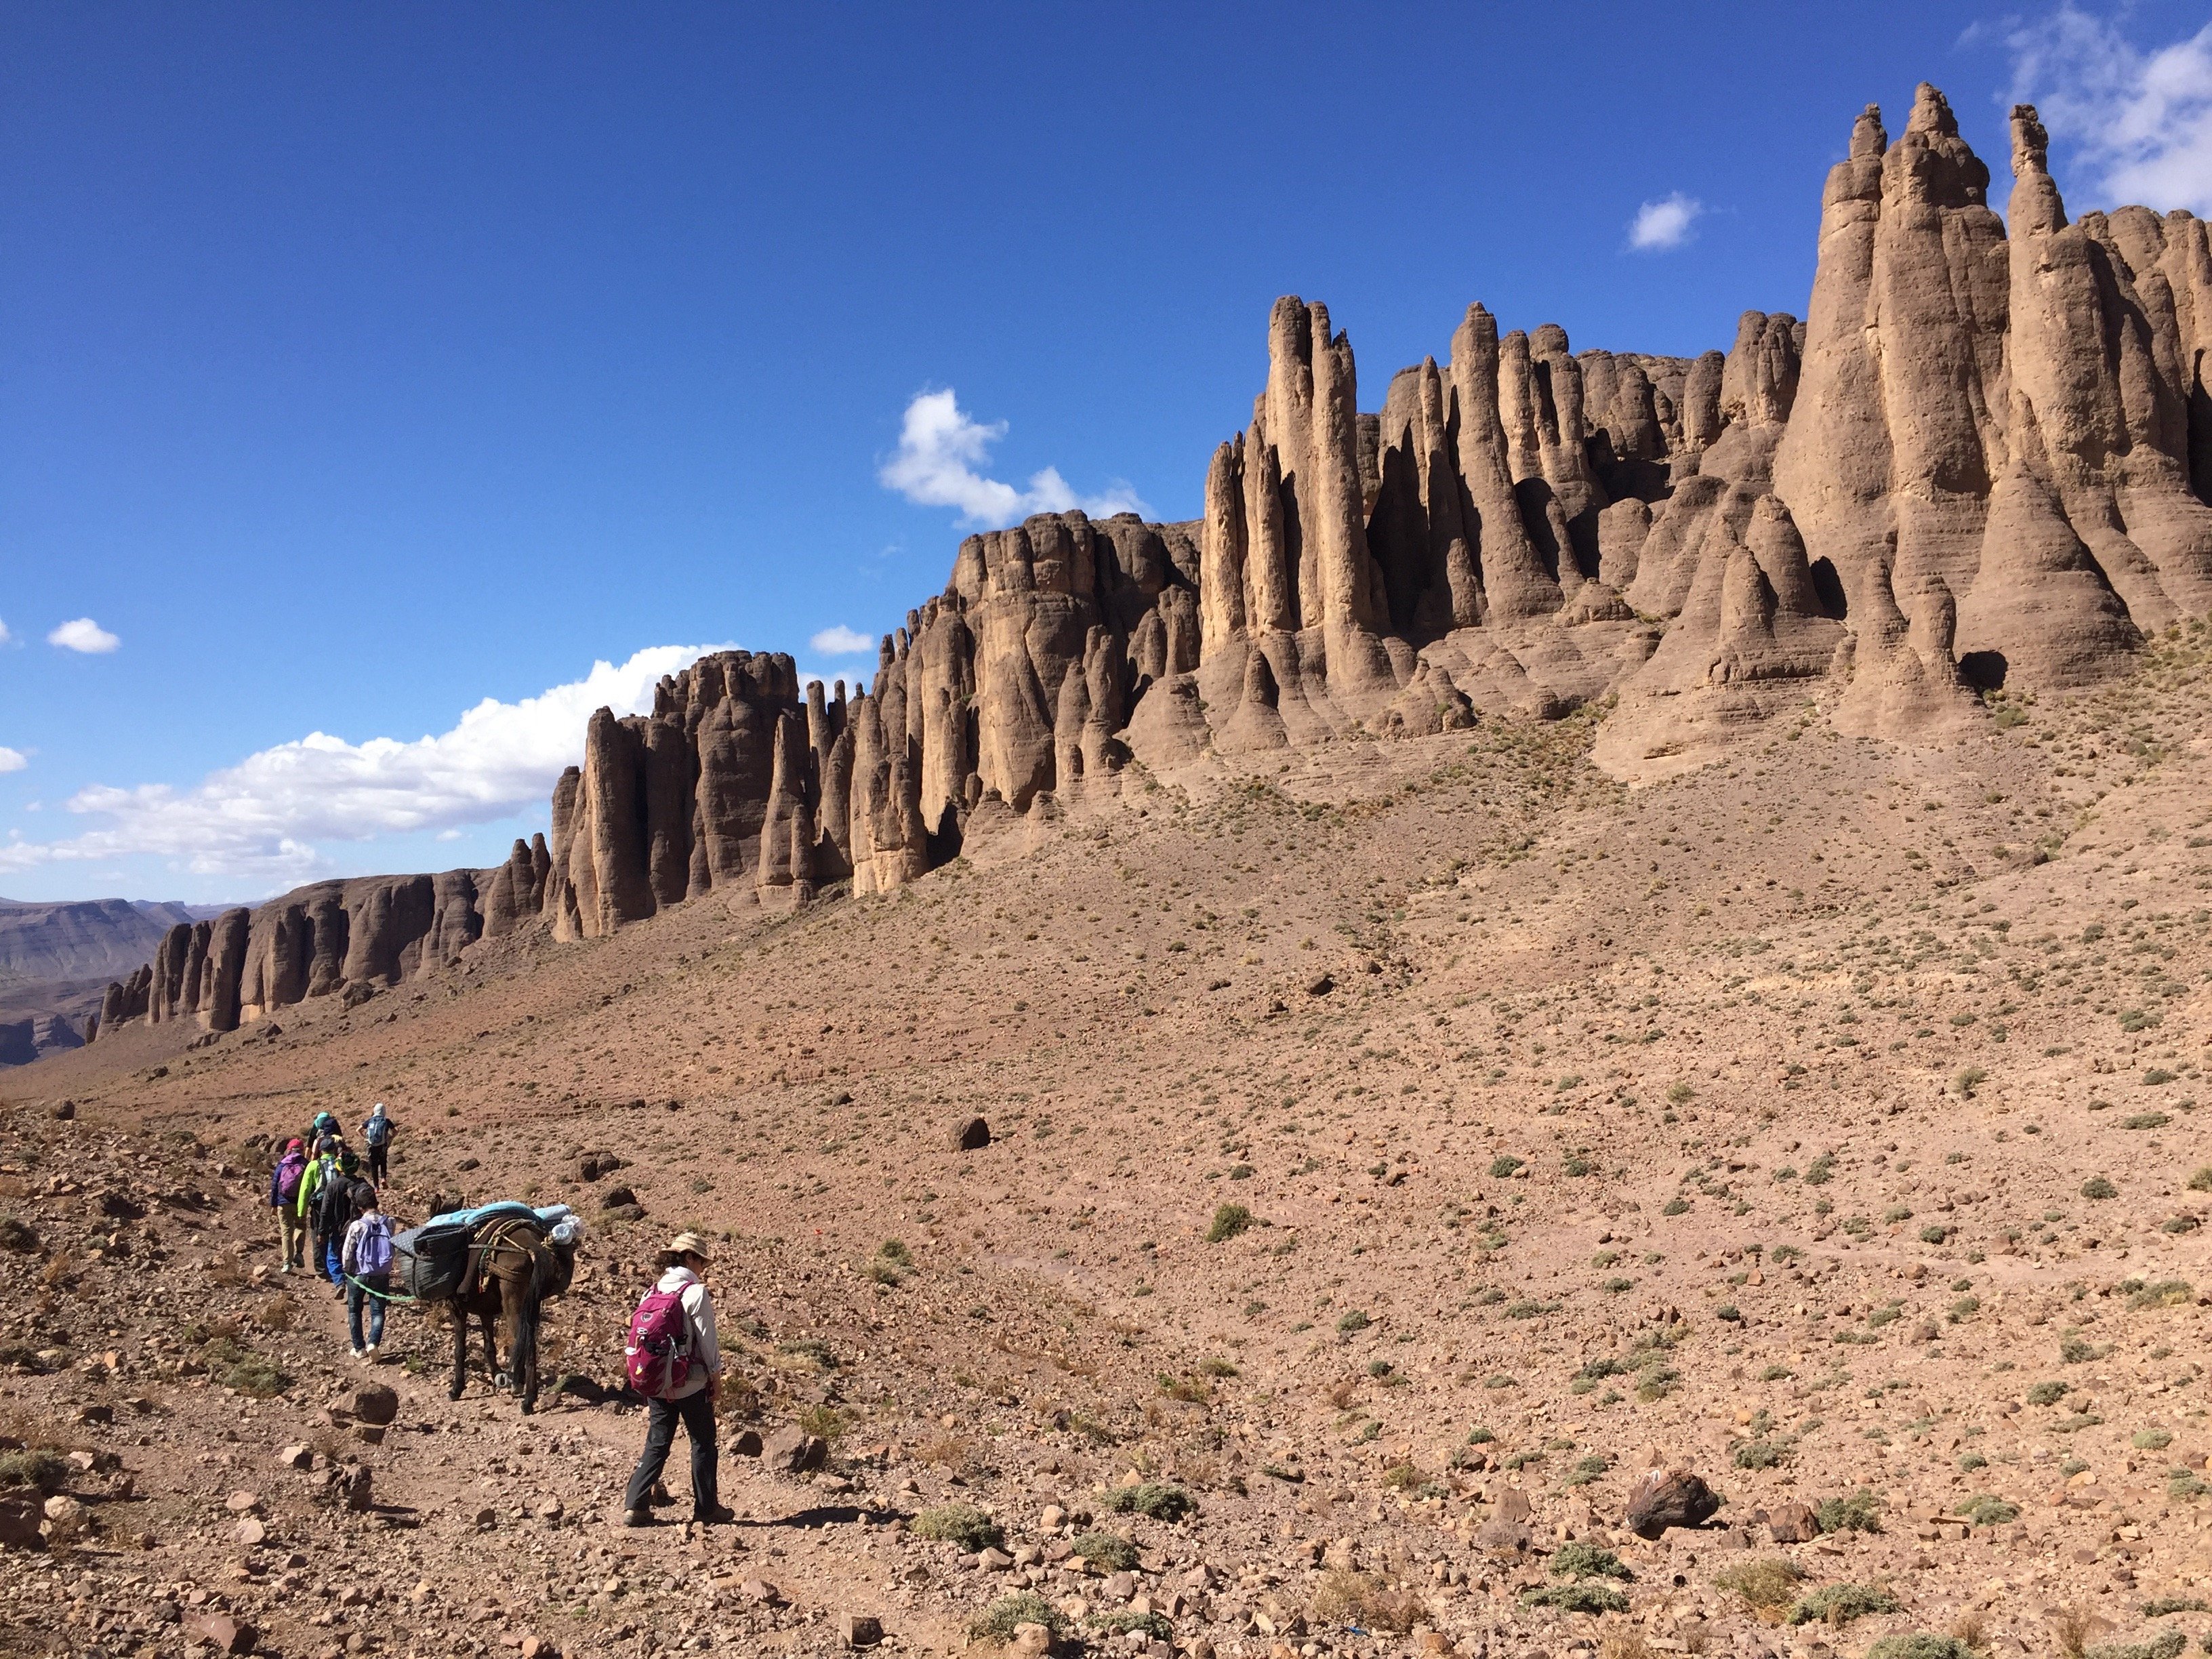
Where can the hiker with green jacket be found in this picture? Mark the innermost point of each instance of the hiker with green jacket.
(322, 1169)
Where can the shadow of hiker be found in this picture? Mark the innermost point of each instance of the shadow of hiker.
(829, 1515)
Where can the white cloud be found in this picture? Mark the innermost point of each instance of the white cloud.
(5, 634)
(1664, 223)
(940, 451)
(266, 818)
(843, 641)
(12, 760)
(2140, 122)
(83, 635)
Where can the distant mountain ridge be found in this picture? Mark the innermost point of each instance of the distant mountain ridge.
(86, 939)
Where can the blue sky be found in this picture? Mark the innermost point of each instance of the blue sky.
(361, 364)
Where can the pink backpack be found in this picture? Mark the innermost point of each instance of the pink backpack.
(658, 1357)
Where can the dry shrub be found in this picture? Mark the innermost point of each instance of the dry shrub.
(1346, 1597)
(225, 1271)
(947, 1450)
(1973, 1629)
(1767, 1587)
(276, 1313)
(2073, 1626)
(1339, 1394)
(1623, 1642)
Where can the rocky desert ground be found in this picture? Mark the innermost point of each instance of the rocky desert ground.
(1398, 1153)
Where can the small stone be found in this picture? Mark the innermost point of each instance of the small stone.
(1053, 1517)
(971, 1135)
(761, 1592)
(249, 1532)
(540, 1646)
(1121, 1586)
(242, 1503)
(860, 1630)
(1030, 1641)
(1321, 985)
(993, 1560)
(296, 1457)
(747, 1443)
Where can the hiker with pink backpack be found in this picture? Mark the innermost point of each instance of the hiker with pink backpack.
(673, 1361)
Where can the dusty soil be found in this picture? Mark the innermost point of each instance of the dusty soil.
(1819, 1124)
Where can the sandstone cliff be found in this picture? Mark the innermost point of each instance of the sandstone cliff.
(1979, 461)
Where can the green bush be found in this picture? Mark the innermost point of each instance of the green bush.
(1983, 1511)
(2098, 1187)
(958, 1524)
(1921, 1645)
(257, 1376)
(2167, 1645)
(2046, 1394)
(33, 1466)
(1160, 1503)
(1860, 1512)
(1576, 1598)
(1229, 1220)
(1582, 1561)
(1354, 1321)
(1839, 1604)
(1757, 1455)
(1109, 1552)
(1503, 1166)
(996, 1622)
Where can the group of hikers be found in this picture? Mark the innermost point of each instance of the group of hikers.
(329, 1215)
(330, 1222)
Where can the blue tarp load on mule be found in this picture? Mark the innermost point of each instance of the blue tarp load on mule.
(428, 1262)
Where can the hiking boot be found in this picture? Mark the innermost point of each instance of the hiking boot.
(637, 1519)
(721, 1514)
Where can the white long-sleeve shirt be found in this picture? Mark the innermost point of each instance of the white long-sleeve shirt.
(699, 1314)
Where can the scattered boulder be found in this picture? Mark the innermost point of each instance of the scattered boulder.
(616, 1198)
(971, 1136)
(224, 1634)
(19, 1515)
(1668, 1497)
(1321, 985)
(746, 1443)
(791, 1450)
(1794, 1523)
(860, 1630)
(375, 1403)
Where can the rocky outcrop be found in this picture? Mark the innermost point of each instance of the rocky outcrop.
(1978, 461)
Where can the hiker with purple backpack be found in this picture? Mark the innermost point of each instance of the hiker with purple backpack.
(673, 1361)
(366, 1261)
(284, 1199)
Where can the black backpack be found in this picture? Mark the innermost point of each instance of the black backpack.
(335, 1206)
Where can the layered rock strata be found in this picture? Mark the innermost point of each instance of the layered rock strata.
(1980, 460)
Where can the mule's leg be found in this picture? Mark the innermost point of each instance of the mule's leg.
(461, 1350)
(491, 1347)
(525, 1352)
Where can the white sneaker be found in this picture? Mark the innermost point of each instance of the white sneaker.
(357, 1352)
(288, 1266)
(369, 1352)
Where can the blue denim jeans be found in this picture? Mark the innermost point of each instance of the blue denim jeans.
(357, 1291)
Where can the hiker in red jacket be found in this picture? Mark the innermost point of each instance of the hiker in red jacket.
(674, 1361)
